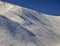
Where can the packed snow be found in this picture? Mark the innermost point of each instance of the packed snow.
(21, 26)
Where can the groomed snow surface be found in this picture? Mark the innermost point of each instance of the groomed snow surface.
(20, 26)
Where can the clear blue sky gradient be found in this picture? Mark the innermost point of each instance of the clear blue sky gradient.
(51, 7)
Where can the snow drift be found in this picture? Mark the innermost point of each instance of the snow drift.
(21, 26)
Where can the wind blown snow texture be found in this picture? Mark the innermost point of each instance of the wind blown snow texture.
(24, 27)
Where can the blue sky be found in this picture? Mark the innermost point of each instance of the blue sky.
(51, 7)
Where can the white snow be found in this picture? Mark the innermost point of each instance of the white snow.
(36, 29)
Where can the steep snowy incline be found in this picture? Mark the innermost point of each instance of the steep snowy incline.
(21, 26)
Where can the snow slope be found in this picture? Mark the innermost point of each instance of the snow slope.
(21, 26)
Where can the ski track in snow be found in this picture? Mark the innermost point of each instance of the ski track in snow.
(25, 27)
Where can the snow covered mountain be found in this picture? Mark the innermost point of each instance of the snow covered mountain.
(20, 26)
